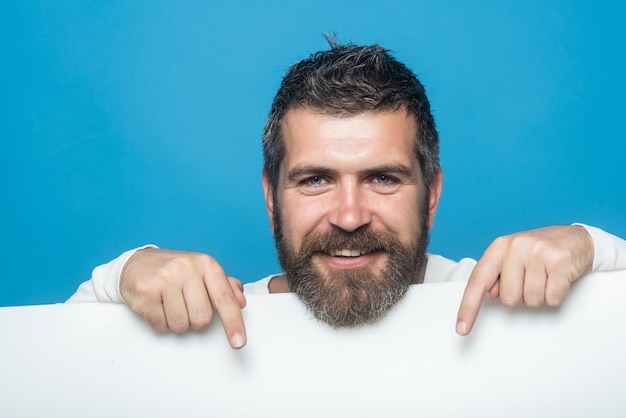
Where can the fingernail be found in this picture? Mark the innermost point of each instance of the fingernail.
(461, 328)
(238, 340)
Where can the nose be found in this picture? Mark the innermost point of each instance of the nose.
(350, 210)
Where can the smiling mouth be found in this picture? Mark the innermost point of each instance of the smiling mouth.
(346, 252)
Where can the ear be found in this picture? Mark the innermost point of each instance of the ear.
(269, 199)
(436, 186)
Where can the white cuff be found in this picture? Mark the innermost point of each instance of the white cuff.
(104, 285)
(609, 250)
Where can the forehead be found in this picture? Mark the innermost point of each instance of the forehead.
(357, 141)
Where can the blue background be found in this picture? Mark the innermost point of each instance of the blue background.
(125, 123)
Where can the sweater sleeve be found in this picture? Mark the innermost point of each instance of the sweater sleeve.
(609, 250)
(104, 285)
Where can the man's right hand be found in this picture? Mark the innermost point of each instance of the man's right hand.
(178, 289)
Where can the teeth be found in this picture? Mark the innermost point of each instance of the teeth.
(345, 252)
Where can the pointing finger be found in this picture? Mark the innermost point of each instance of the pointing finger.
(482, 280)
(226, 303)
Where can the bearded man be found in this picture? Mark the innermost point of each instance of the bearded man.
(352, 182)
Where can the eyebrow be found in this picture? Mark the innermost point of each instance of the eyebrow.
(298, 172)
(399, 170)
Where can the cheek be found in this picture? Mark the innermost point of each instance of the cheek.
(301, 217)
(400, 215)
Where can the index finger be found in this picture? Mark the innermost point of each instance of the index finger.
(227, 305)
(484, 277)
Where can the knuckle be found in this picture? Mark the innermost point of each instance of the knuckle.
(508, 301)
(538, 249)
(525, 244)
(180, 326)
(502, 241)
(553, 301)
(557, 255)
(200, 322)
(499, 244)
(210, 266)
(174, 268)
(555, 297)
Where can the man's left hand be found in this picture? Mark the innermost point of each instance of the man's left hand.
(532, 267)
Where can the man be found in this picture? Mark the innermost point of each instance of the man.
(352, 182)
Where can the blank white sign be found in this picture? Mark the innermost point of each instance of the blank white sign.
(101, 360)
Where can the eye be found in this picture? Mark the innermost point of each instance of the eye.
(313, 181)
(384, 183)
(384, 179)
(314, 185)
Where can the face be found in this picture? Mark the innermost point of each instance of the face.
(351, 213)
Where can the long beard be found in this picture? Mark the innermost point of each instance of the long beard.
(352, 297)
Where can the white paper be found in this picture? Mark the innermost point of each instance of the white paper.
(102, 360)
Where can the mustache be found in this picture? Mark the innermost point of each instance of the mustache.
(363, 239)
